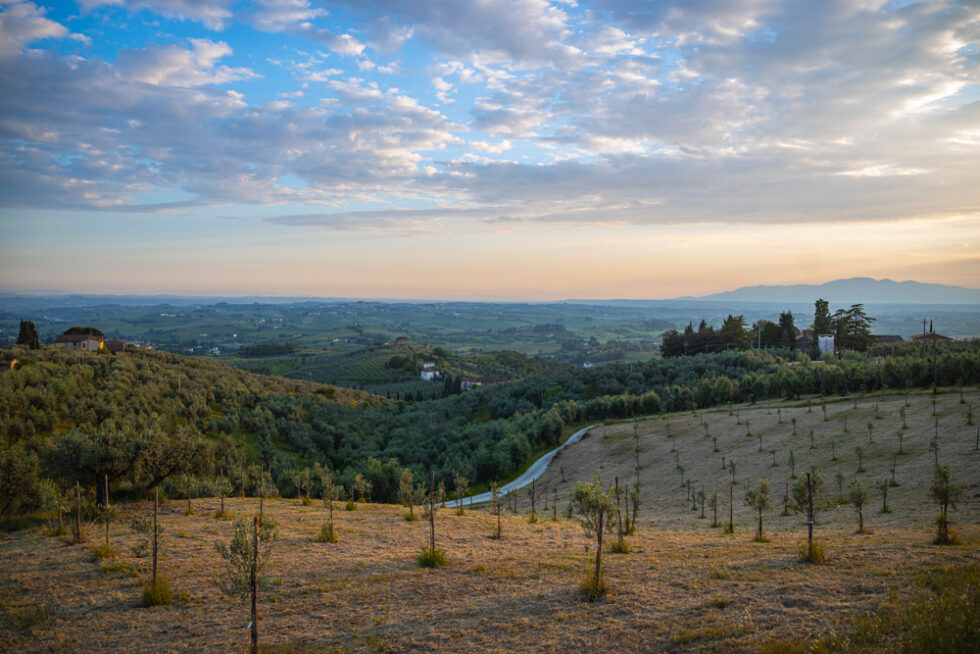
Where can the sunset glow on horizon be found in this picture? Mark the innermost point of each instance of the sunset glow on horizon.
(501, 150)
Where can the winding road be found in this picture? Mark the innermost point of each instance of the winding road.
(533, 472)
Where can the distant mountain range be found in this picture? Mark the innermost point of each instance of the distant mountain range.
(851, 291)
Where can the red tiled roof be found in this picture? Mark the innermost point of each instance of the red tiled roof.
(931, 337)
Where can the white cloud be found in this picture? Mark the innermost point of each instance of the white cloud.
(282, 15)
(355, 92)
(213, 14)
(175, 66)
(517, 30)
(882, 170)
(22, 23)
(491, 148)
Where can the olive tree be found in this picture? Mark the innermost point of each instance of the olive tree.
(406, 488)
(594, 505)
(757, 497)
(461, 484)
(946, 493)
(241, 576)
(858, 496)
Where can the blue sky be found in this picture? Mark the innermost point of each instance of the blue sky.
(519, 149)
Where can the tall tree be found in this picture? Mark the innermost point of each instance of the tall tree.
(787, 330)
(821, 318)
(90, 331)
(821, 325)
(852, 328)
(28, 335)
(766, 333)
(733, 332)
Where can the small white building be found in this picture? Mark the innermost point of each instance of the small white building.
(429, 373)
(79, 342)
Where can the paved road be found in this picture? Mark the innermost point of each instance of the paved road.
(536, 470)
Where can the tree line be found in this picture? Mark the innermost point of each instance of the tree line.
(850, 327)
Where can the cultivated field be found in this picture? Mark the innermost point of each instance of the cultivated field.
(685, 586)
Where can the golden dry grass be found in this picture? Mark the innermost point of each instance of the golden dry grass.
(684, 587)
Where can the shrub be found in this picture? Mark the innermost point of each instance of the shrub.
(433, 558)
(593, 587)
(141, 548)
(719, 602)
(157, 594)
(812, 553)
(61, 531)
(103, 552)
(620, 547)
(326, 534)
(141, 524)
(350, 506)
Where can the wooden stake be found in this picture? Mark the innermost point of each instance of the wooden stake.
(432, 515)
(731, 521)
(156, 504)
(106, 513)
(809, 513)
(253, 581)
(619, 513)
(79, 537)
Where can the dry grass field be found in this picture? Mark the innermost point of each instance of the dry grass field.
(685, 586)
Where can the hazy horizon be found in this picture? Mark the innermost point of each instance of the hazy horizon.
(231, 294)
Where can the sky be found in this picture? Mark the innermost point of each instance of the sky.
(486, 149)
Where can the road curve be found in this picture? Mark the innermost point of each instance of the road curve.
(533, 472)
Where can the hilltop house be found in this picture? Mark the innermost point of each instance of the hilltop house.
(825, 342)
(930, 337)
(115, 345)
(80, 342)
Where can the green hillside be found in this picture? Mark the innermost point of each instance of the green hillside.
(144, 416)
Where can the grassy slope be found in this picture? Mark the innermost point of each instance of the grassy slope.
(685, 586)
(610, 449)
